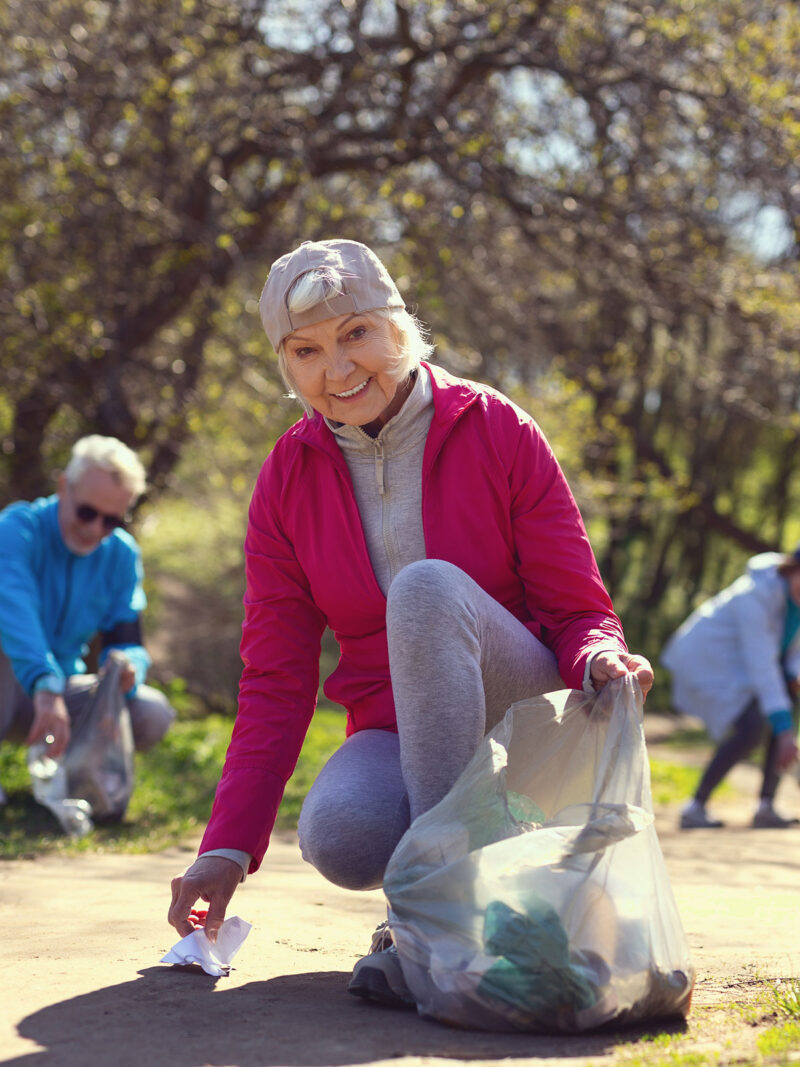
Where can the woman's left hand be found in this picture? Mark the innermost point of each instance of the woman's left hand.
(609, 665)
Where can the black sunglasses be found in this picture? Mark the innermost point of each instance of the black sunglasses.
(86, 513)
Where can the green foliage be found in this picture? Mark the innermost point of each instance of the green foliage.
(786, 997)
(175, 785)
(777, 1041)
(177, 693)
(672, 782)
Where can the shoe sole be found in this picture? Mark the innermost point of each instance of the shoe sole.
(370, 984)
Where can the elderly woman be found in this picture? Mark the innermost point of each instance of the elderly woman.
(735, 664)
(425, 520)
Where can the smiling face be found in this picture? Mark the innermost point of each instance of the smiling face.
(96, 491)
(345, 368)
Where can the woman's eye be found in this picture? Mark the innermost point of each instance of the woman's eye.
(300, 353)
(357, 333)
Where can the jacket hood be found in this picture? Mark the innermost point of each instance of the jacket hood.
(758, 566)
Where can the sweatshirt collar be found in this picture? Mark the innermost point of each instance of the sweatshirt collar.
(451, 397)
(402, 430)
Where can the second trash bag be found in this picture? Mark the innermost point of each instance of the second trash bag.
(534, 896)
(93, 781)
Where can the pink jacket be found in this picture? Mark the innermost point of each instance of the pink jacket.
(494, 502)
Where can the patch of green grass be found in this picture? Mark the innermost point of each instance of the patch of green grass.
(672, 782)
(658, 1040)
(779, 1040)
(759, 1008)
(171, 802)
(786, 997)
(675, 1058)
(648, 1048)
(777, 1044)
(326, 734)
(675, 782)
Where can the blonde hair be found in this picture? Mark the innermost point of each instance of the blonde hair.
(107, 454)
(319, 287)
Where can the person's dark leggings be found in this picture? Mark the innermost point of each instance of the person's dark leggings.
(746, 733)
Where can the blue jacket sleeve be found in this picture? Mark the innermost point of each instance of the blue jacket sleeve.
(22, 633)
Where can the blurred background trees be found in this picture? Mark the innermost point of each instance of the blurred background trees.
(595, 206)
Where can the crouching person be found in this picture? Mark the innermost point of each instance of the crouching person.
(68, 572)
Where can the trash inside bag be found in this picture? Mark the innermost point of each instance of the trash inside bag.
(534, 896)
(93, 780)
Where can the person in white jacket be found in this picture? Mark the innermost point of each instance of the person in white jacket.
(735, 665)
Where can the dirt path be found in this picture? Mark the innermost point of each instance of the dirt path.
(81, 983)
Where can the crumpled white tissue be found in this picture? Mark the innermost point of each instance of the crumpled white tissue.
(214, 958)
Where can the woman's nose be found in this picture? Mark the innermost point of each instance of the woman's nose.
(339, 364)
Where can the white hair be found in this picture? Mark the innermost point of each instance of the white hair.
(314, 287)
(107, 454)
(318, 287)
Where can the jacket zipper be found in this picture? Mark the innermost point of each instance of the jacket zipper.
(379, 471)
(386, 510)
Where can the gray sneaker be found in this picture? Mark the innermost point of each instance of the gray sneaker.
(769, 819)
(697, 818)
(378, 976)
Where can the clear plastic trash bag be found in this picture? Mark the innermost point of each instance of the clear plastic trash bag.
(94, 778)
(534, 896)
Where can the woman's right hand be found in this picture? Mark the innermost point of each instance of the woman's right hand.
(213, 878)
(50, 721)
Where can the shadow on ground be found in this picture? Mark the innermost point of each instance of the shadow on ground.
(169, 1016)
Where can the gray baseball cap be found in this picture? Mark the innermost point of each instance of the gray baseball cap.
(367, 285)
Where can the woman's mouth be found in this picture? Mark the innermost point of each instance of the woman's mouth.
(349, 393)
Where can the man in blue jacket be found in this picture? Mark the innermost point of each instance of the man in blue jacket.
(69, 571)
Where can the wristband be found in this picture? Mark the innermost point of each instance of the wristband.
(780, 721)
(50, 683)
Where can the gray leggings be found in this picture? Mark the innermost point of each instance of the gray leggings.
(458, 659)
